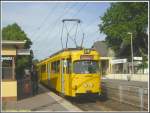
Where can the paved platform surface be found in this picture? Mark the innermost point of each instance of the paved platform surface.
(45, 100)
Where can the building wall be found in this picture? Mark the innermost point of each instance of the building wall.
(108, 68)
(9, 86)
(9, 89)
(9, 52)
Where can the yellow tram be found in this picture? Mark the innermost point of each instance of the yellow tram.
(71, 71)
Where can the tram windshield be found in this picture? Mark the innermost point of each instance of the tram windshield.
(86, 67)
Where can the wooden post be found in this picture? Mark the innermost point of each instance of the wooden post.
(13, 67)
(110, 66)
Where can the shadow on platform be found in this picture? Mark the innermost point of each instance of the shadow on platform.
(25, 89)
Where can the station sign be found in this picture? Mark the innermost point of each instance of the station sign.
(118, 61)
(6, 58)
(137, 58)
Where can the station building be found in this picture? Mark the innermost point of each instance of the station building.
(10, 50)
(106, 56)
(116, 68)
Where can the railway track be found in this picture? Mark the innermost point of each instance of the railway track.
(86, 103)
(95, 103)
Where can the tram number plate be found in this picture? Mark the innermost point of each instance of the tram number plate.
(88, 91)
(86, 57)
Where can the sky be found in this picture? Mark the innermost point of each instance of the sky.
(42, 23)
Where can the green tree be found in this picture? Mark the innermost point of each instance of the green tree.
(14, 32)
(124, 17)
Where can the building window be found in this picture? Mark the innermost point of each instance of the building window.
(7, 68)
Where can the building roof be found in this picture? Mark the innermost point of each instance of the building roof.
(103, 49)
(13, 43)
(13, 47)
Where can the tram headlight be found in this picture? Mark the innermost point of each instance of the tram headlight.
(85, 85)
(90, 85)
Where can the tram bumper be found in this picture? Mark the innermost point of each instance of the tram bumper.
(86, 89)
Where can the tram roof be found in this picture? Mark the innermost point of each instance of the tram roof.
(67, 49)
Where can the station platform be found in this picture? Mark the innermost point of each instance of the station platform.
(126, 82)
(45, 100)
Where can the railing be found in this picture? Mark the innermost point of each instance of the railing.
(134, 95)
(127, 94)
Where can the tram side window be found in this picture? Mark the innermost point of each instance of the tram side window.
(68, 68)
(43, 68)
(55, 66)
(52, 67)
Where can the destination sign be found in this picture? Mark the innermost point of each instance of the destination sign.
(86, 57)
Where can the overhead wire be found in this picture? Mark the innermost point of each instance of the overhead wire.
(68, 31)
(57, 20)
(50, 13)
(77, 13)
(74, 25)
(66, 10)
(53, 23)
(69, 34)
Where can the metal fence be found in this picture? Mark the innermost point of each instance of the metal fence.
(132, 95)
(136, 96)
(24, 88)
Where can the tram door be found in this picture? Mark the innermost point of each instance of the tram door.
(62, 76)
(48, 70)
(66, 70)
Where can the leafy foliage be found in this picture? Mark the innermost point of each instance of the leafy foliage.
(22, 62)
(124, 17)
(14, 32)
